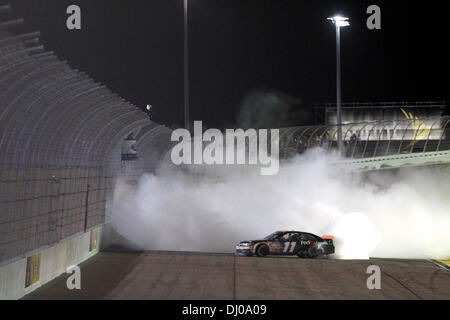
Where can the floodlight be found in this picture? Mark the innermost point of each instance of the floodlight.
(340, 21)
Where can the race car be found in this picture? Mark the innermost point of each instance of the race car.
(288, 243)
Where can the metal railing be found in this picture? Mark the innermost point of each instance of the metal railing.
(372, 138)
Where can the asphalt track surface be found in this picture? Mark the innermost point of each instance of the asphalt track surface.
(205, 276)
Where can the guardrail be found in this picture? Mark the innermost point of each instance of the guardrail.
(372, 138)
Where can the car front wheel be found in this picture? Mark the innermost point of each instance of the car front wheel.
(262, 250)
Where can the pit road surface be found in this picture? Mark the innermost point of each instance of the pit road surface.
(203, 276)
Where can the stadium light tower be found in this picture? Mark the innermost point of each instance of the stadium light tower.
(339, 22)
(186, 67)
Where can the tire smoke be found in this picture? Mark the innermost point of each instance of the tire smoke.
(399, 214)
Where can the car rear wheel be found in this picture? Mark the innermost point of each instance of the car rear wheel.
(262, 250)
(314, 252)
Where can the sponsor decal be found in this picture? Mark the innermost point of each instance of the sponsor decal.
(33, 269)
(94, 240)
(420, 131)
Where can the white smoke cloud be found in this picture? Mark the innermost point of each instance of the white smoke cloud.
(403, 216)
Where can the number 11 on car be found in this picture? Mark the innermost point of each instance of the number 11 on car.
(289, 246)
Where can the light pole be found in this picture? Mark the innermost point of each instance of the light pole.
(186, 67)
(339, 22)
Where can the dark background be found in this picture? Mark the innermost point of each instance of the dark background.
(135, 47)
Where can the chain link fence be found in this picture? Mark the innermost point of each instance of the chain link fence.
(60, 145)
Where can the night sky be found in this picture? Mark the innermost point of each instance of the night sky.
(236, 46)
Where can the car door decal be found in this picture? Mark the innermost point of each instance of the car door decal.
(275, 247)
(289, 247)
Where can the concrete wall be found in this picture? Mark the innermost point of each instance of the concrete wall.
(109, 237)
(54, 261)
(395, 161)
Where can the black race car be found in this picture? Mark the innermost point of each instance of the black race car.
(302, 244)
